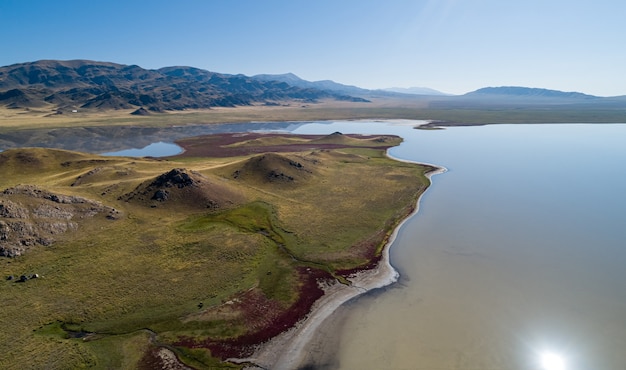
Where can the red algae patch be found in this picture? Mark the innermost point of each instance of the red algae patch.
(263, 317)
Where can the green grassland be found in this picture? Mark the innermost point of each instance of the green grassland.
(192, 265)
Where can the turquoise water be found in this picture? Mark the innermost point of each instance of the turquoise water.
(517, 259)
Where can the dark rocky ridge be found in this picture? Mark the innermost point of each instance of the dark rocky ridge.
(74, 84)
(181, 187)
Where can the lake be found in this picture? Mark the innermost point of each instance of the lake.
(516, 260)
(158, 149)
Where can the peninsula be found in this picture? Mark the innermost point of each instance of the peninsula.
(193, 260)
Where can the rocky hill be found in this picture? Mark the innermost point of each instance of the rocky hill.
(83, 84)
(189, 189)
(32, 216)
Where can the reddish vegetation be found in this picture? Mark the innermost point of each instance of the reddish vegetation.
(263, 317)
(275, 320)
(369, 250)
(151, 360)
(217, 145)
(370, 247)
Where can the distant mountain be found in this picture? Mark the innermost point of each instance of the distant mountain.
(415, 91)
(63, 86)
(517, 91)
(518, 97)
(326, 85)
(102, 85)
(289, 78)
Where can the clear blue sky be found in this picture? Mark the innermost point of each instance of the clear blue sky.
(454, 46)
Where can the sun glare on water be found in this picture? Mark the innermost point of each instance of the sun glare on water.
(552, 361)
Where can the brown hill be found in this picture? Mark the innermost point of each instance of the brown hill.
(23, 161)
(269, 168)
(183, 188)
(141, 112)
(19, 98)
(336, 138)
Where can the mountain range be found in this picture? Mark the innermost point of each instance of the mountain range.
(83, 84)
(102, 85)
(294, 80)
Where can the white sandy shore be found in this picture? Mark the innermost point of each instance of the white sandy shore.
(288, 350)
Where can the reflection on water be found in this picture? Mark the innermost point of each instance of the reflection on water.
(552, 361)
(159, 149)
(117, 138)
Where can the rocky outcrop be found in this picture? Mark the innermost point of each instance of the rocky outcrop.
(10, 209)
(182, 187)
(178, 177)
(31, 216)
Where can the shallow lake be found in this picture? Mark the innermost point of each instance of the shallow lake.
(516, 259)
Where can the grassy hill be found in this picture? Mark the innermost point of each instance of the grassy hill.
(193, 256)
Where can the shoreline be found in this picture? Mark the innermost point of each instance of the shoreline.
(288, 350)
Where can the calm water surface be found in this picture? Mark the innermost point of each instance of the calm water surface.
(517, 259)
(158, 149)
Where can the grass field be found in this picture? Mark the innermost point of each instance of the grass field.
(228, 253)
(379, 108)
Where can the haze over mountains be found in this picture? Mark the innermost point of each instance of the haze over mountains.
(81, 84)
(416, 90)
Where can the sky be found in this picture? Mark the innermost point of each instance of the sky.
(454, 46)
